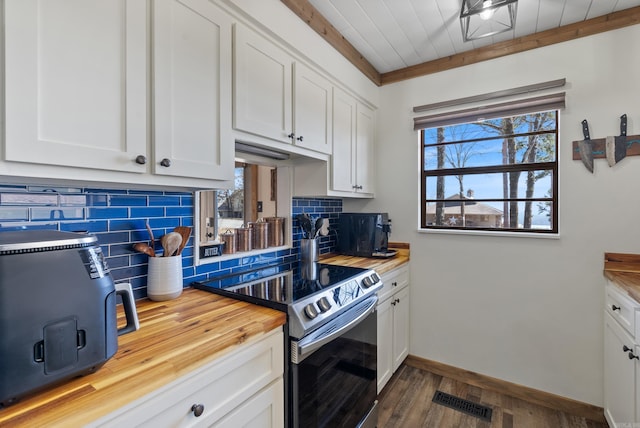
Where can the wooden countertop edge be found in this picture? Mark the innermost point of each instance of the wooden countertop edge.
(380, 265)
(175, 337)
(623, 271)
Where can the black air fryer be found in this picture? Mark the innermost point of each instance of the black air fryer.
(364, 234)
(57, 310)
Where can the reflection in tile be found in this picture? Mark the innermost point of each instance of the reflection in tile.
(14, 214)
(57, 214)
(9, 198)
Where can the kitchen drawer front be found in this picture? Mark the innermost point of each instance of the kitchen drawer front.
(264, 410)
(219, 386)
(393, 281)
(622, 308)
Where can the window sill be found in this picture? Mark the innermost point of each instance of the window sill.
(491, 233)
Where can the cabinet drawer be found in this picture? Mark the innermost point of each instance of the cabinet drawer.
(622, 308)
(393, 281)
(219, 386)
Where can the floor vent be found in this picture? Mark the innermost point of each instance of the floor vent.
(462, 405)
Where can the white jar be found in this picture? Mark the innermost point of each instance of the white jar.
(165, 278)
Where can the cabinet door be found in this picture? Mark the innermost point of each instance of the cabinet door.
(264, 410)
(76, 83)
(364, 149)
(312, 110)
(344, 142)
(262, 86)
(619, 374)
(400, 327)
(385, 342)
(192, 96)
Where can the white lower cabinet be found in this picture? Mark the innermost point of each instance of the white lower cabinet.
(242, 388)
(621, 360)
(393, 323)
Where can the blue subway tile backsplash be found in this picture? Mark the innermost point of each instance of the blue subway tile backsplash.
(118, 218)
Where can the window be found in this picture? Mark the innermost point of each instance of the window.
(499, 174)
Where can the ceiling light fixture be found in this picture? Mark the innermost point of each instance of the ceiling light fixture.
(484, 18)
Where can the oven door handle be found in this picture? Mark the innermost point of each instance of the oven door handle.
(301, 349)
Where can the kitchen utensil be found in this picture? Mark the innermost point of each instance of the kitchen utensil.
(185, 233)
(144, 249)
(151, 238)
(305, 225)
(170, 243)
(318, 226)
(324, 229)
(586, 150)
(616, 147)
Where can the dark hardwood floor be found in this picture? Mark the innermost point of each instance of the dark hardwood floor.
(406, 403)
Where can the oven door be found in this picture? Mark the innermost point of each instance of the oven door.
(333, 371)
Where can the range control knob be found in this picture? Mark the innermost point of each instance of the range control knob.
(375, 278)
(367, 282)
(310, 311)
(324, 304)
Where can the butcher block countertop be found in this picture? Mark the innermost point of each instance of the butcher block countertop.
(175, 337)
(623, 270)
(380, 265)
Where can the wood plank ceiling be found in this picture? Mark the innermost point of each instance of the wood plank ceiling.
(394, 40)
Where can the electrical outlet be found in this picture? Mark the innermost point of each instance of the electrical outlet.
(259, 206)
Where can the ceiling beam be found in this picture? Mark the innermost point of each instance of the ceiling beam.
(319, 23)
(565, 33)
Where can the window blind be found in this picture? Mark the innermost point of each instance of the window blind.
(476, 114)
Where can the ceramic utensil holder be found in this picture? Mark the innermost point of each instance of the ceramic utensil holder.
(308, 251)
(165, 278)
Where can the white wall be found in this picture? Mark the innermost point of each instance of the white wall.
(529, 311)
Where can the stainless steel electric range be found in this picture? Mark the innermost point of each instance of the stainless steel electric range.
(330, 337)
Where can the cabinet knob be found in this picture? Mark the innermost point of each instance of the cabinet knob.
(292, 136)
(397, 300)
(615, 308)
(633, 356)
(299, 138)
(393, 303)
(394, 283)
(197, 410)
(165, 162)
(140, 159)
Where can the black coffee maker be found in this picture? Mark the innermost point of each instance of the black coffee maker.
(364, 235)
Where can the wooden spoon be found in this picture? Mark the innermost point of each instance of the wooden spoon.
(170, 242)
(185, 232)
(144, 249)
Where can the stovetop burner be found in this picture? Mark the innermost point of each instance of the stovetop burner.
(310, 294)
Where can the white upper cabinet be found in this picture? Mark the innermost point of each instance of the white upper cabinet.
(343, 173)
(192, 94)
(277, 97)
(76, 83)
(262, 87)
(365, 137)
(353, 139)
(312, 110)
